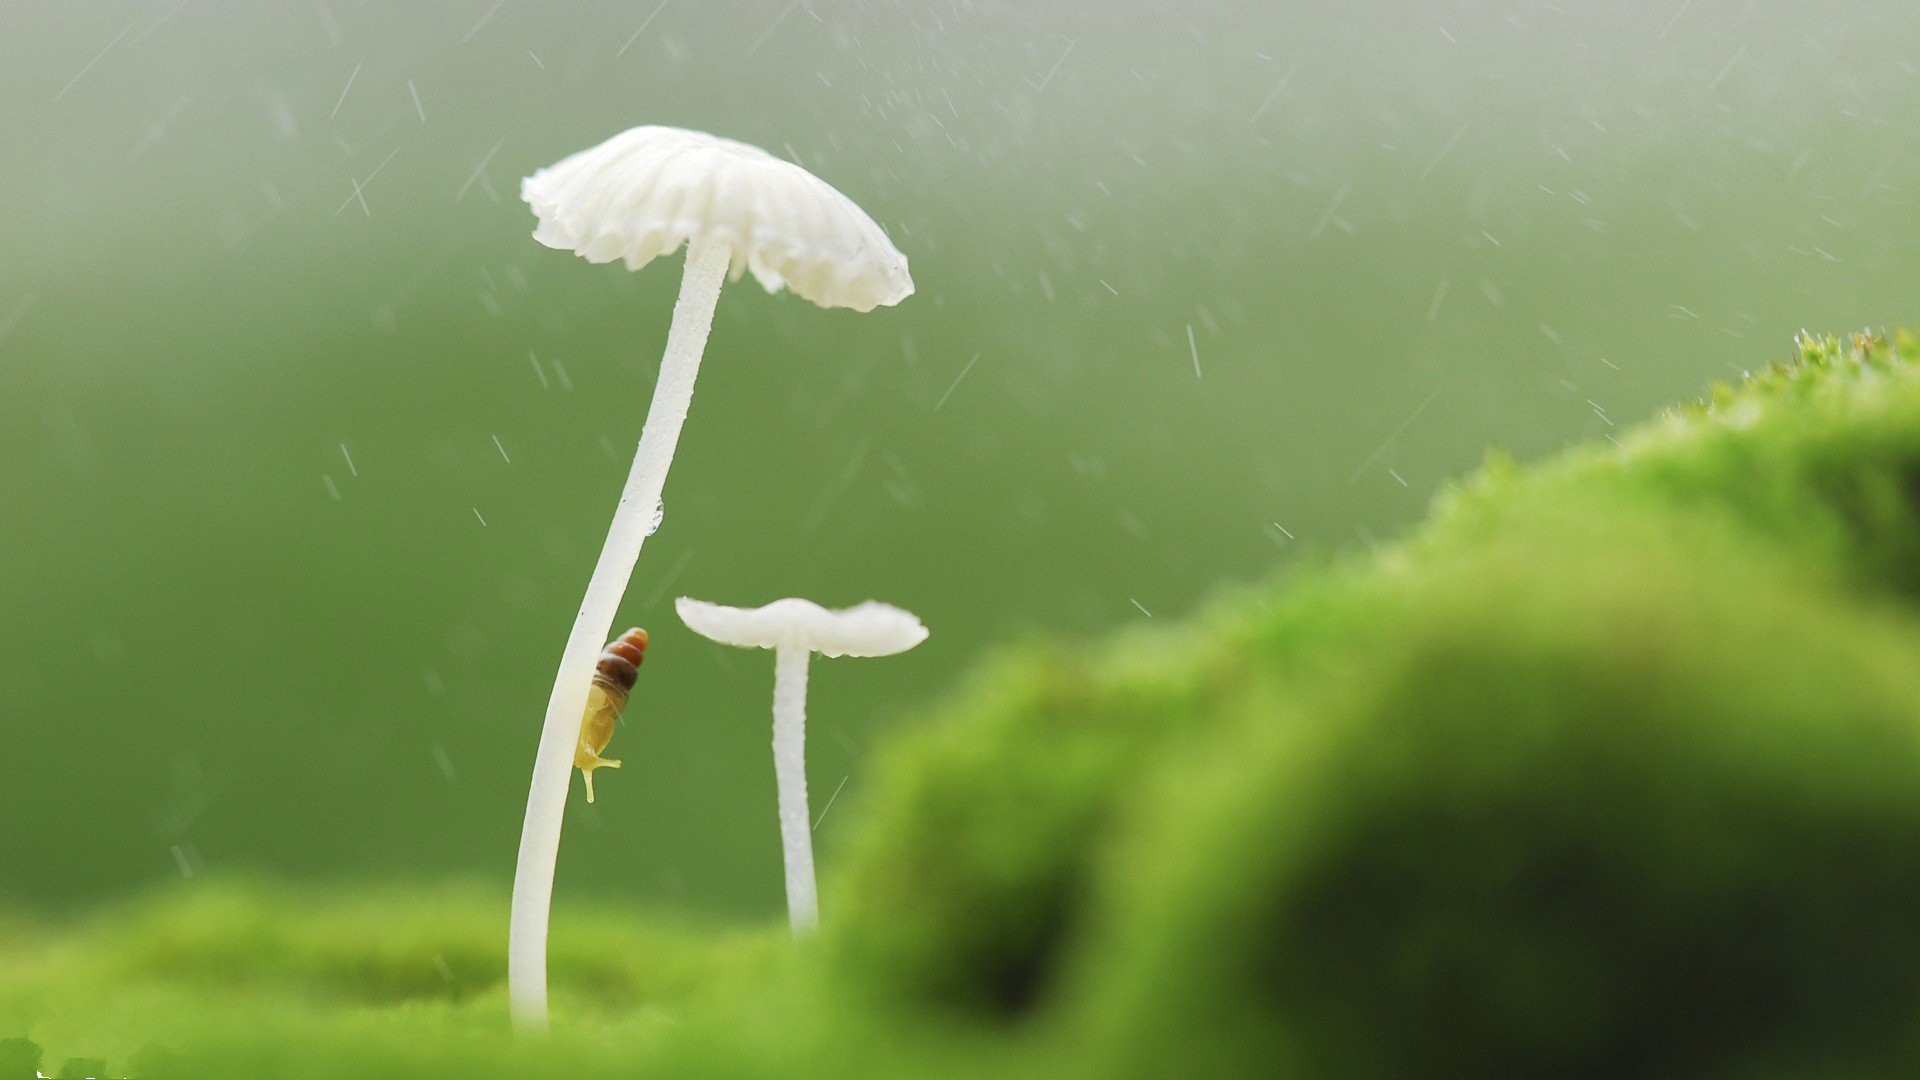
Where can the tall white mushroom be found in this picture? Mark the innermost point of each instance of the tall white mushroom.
(795, 630)
(637, 196)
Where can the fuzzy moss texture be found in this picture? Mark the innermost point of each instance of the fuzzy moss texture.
(1611, 769)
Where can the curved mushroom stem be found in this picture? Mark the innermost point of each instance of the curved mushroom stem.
(790, 777)
(553, 766)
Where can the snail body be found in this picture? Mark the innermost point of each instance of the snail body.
(613, 677)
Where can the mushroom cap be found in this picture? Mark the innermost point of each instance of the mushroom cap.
(869, 629)
(646, 191)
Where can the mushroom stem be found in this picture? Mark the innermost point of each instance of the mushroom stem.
(553, 765)
(790, 777)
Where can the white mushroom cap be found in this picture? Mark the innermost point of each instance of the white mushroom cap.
(869, 629)
(646, 191)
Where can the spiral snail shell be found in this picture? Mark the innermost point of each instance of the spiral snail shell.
(613, 676)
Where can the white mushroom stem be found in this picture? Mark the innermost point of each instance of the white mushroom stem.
(790, 778)
(706, 271)
(795, 629)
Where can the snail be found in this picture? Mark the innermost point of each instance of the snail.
(613, 677)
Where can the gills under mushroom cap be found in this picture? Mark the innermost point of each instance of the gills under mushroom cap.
(646, 191)
(869, 629)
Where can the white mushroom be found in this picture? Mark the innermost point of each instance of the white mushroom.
(796, 629)
(639, 195)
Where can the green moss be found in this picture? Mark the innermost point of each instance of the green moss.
(1608, 769)
(1571, 817)
(19, 1059)
(1613, 768)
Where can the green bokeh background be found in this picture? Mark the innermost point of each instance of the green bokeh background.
(273, 600)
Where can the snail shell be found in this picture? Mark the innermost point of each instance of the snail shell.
(613, 676)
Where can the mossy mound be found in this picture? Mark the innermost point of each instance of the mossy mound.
(1613, 768)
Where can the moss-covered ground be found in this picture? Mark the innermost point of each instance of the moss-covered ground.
(1612, 768)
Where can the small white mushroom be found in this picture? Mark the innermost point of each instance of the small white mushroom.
(795, 630)
(639, 195)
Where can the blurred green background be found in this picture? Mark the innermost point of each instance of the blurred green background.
(306, 448)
